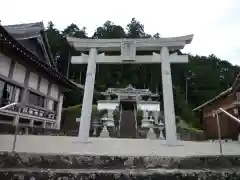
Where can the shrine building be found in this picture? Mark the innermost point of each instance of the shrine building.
(228, 100)
(31, 88)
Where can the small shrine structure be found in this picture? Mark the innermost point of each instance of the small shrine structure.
(128, 102)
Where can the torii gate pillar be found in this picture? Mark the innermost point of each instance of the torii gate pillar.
(84, 127)
(168, 102)
(128, 49)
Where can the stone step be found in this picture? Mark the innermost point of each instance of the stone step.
(55, 161)
(128, 125)
(117, 174)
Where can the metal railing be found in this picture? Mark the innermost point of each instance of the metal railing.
(16, 127)
(120, 120)
(8, 106)
(135, 118)
(238, 96)
(218, 125)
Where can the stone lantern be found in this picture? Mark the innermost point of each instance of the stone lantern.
(151, 134)
(161, 128)
(146, 122)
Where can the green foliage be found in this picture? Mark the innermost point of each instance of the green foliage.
(70, 114)
(139, 117)
(109, 30)
(74, 31)
(184, 125)
(184, 110)
(195, 130)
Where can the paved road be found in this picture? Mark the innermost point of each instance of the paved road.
(111, 146)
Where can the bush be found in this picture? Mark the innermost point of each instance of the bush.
(184, 110)
(188, 127)
(70, 114)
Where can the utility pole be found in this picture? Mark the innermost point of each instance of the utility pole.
(68, 64)
(186, 89)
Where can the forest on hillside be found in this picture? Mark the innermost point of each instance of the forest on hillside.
(194, 83)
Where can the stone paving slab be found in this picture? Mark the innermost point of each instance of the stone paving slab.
(114, 147)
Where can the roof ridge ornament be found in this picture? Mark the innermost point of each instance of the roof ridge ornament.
(129, 86)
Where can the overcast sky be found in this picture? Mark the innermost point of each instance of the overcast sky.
(214, 23)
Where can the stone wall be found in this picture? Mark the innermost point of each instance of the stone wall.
(74, 167)
(187, 135)
(73, 161)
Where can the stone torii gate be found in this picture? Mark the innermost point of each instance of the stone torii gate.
(128, 48)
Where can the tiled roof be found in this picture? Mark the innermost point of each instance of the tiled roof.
(228, 91)
(236, 83)
(32, 36)
(13, 48)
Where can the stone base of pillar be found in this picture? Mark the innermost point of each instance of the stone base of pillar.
(161, 137)
(178, 136)
(104, 133)
(151, 135)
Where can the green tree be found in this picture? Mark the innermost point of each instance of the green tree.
(73, 31)
(136, 30)
(109, 31)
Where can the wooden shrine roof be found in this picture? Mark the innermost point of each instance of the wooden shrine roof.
(14, 49)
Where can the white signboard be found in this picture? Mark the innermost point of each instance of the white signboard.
(149, 107)
(107, 105)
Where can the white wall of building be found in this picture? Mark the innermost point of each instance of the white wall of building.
(33, 80)
(44, 85)
(54, 91)
(19, 73)
(5, 63)
(50, 104)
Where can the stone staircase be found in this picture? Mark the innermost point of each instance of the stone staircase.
(22, 166)
(128, 125)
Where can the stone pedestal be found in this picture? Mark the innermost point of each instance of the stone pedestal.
(104, 133)
(161, 137)
(151, 134)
